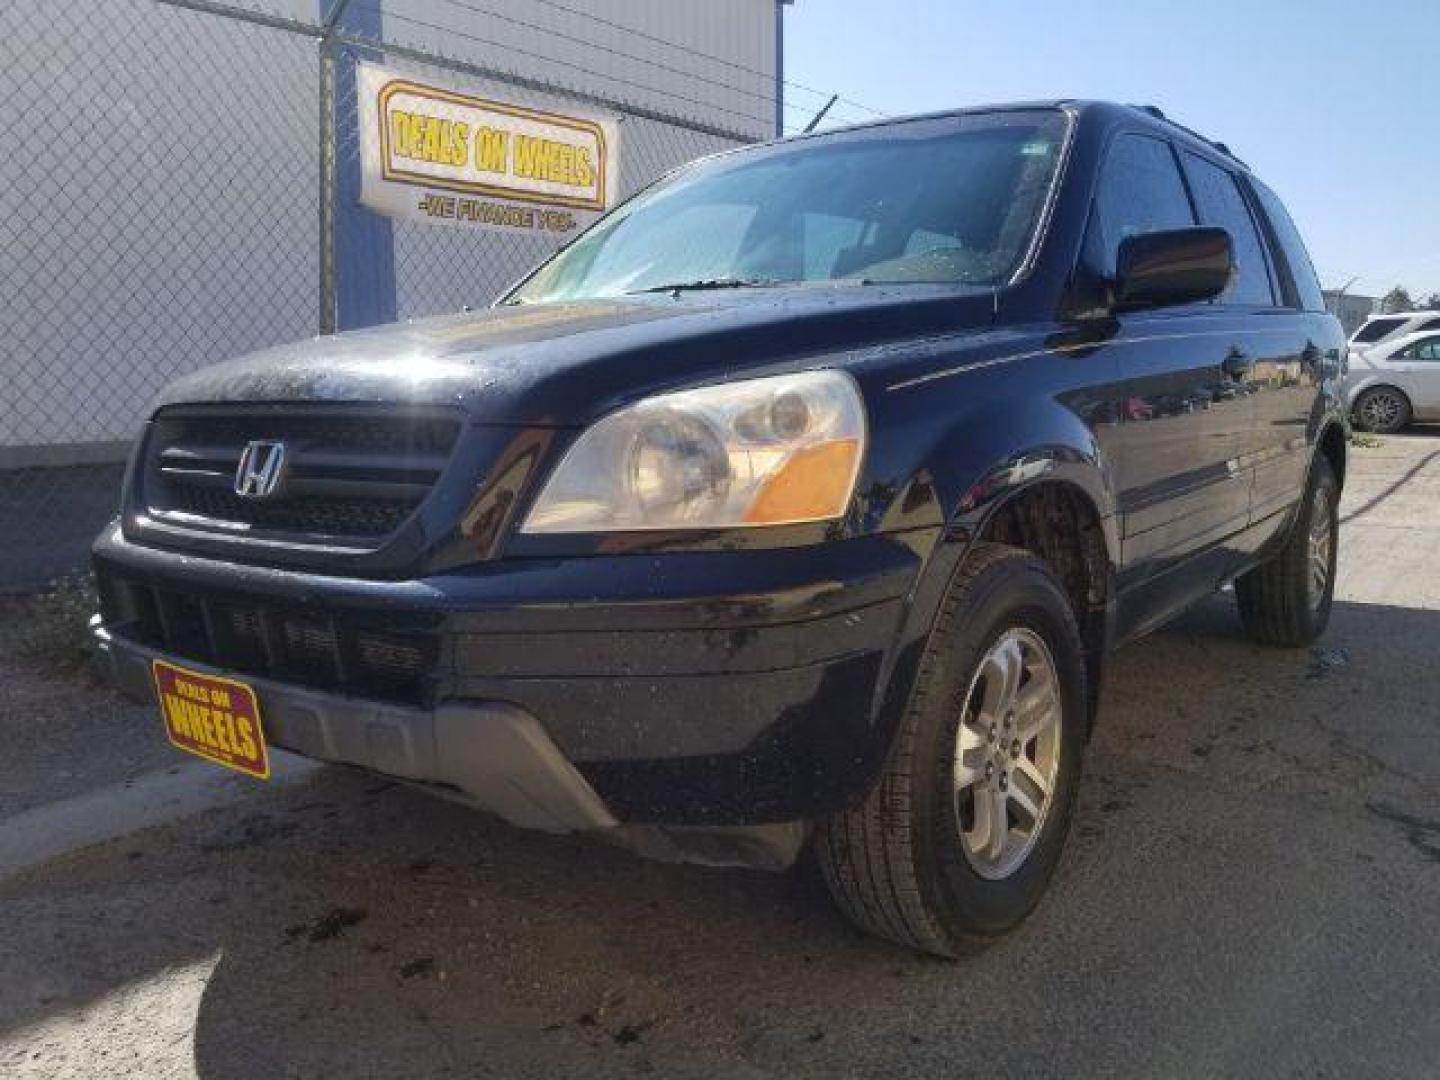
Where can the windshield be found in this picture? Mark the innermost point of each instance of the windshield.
(954, 199)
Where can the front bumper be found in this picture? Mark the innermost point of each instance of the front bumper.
(493, 754)
(705, 688)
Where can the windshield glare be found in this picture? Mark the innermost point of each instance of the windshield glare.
(953, 199)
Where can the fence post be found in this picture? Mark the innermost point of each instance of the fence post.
(357, 269)
(327, 135)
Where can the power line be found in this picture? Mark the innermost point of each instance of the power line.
(767, 120)
(476, 9)
(376, 6)
(632, 108)
(637, 32)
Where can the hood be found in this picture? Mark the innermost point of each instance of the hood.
(566, 363)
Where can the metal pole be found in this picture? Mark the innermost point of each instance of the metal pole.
(779, 69)
(1339, 311)
(327, 187)
(327, 168)
(821, 114)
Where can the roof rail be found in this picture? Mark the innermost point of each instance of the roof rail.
(1158, 114)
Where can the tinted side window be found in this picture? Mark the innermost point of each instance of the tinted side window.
(1220, 203)
(1433, 324)
(1302, 271)
(1376, 329)
(1140, 191)
(1427, 350)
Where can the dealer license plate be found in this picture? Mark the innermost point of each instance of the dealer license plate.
(218, 719)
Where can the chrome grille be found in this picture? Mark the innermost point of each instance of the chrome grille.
(351, 478)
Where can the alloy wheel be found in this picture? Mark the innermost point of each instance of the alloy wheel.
(1007, 753)
(1381, 410)
(1321, 548)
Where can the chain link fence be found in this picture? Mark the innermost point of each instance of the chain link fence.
(439, 269)
(159, 213)
(184, 187)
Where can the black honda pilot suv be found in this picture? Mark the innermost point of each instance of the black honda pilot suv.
(798, 501)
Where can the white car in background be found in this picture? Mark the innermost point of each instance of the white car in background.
(1382, 329)
(1395, 381)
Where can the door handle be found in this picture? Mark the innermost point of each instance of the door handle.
(1238, 363)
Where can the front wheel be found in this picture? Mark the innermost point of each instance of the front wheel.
(1287, 600)
(961, 833)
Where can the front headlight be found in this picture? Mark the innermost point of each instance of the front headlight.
(771, 451)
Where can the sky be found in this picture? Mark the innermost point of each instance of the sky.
(1336, 105)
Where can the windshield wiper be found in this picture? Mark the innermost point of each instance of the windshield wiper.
(709, 283)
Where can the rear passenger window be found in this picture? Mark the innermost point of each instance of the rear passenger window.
(1140, 192)
(1376, 329)
(1428, 350)
(1302, 272)
(1433, 324)
(1220, 203)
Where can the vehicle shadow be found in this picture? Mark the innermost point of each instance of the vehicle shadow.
(360, 928)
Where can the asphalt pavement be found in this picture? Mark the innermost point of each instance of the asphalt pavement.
(1252, 889)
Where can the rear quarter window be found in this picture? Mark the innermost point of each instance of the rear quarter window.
(1375, 329)
(1302, 270)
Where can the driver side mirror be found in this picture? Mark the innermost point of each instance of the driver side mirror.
(1174, 266)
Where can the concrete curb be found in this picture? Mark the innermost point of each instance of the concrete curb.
(43, 833)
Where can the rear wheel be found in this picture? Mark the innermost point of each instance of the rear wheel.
(1287, 600)
(962, 831)
(1382, 409)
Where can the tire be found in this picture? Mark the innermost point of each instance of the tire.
(1382, 409)
(1286, 601)
(909, 863)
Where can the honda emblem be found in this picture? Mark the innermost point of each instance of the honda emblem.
(261, 470)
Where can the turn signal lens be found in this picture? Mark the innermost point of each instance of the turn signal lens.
(812, 485)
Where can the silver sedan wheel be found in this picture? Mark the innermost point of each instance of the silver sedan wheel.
(1007, 753)
(1380, 410)
(1321, 546)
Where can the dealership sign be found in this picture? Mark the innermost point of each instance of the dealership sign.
(430, 153)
